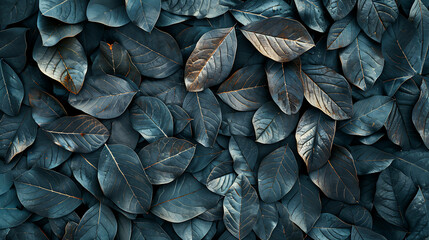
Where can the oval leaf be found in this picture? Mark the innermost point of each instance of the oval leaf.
(255, 10)
(244, 152)
(52, 30)
(143, 14)
(11, 90)
(369, 159)
(417, 215)
(45, 107)
(194, 229)
(342, 32)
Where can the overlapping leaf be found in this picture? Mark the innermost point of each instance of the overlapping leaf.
(11, 90)
(199, 8)
(420, 115)
(68, 11)
(52, 30)
(343, 32)
(97, 223)
(312, 14)
(110, 13)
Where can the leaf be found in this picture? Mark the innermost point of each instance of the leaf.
(339, 9)
(170, 90)
(80, 133)
(414, 164)
(28, 231)
(203, 156)
(369, 115)
(113, 59)
(45, 107)
(329, 227)
(328, 91)
(68, 11)
(319, 55)
(124, 228)
(167, 19)
(44, 153)
(285, 86)
(356, 215)
(166, 159)
(303, 203)
(47, 193)
(151, 118)
(417, 215)
(362, 62)
(11, 212)
(419, 16)
(314, 137)
(211, 60)
(97, 223)
(246, 89)
(182, 200)
(213, 214)
(237, 123)
(199, 8)
(91, 36)
(11, 90)
(244, 153)
(121, 131)
(277, 174)
(205, 111)
(420, 115)
(110, 13)
(181, 118)
(12, 11)
(361, 233)
(337, 178)
(147, 229)
(65, 62)
(399, 128)
(313, 14)
(120, 171)
(271, 125)
(401, 49)
(240, 206)
(394, 192)
(280, 39)
(104, 96)
(342, 32)
(369, 159)
(375, 16)
(16, 134)
(155, 54)
(58, 225)
(52, 31)
(194, 229)
(14, 43)
(143, 14)
(85, 169)
(267, 220)
(255, 10)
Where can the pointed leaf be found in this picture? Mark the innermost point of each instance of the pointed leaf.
(417, 215)
(26, 231)
(280, 39)
(419, 16)
(327, 90)
(314, 136)
(343, 32)
(85, 169)
(369, 159)
(148, 229)
(170, 90)
(11, 90)
(13, 42)
(80, 133)
(97, 223)
(120, 171)
(267, 220)
(313, 14)
(12, 11)
(240, 206)
(143, 14)
(356, 215)
(47, 193)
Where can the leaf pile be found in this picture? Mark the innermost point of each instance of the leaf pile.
(214, 119)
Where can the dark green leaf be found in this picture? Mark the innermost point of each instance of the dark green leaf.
(375, 16)
(170, 90)
(246, 89)
(314, 137)
(120, 171)
(203, 156)
(11, 212)
(113, 59)
(205, 111)
(362, 62)
(47, 193)
(329, 227)
(338, 178)
(369, 115)
(277, 174)
(97, 223)
(393, 194)
(240, 206)
(244, 152)
(103, 96)
(369, 159)
(16, 134)
(312, 13)
(155, 54)
(211, 60)
(52, 30)
(45, 107)
(65, 62)
(151, 118)
(80, 133)
(271, 125)
(414, 164)
(198, 8)
(356, 215)
(194, 229)
(417, 215)
(110, 13)
(285, 86)
(180, 117)
(166, 159)
(280, 39)
(85, 169)
(68, 11)
(182, 200)
(26, 231)
(420, 115)
(12, 11)
(327, 90)
(255, 10)
(303, 203)
(419, 15)
(267, 220)
(338, 9)
(361, 233)
(143, 14)
(11, 90)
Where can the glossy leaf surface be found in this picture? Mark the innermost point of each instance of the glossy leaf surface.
(45, 107)
(369, 159)
(361, 233)
(244, 153)
(11, 212)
